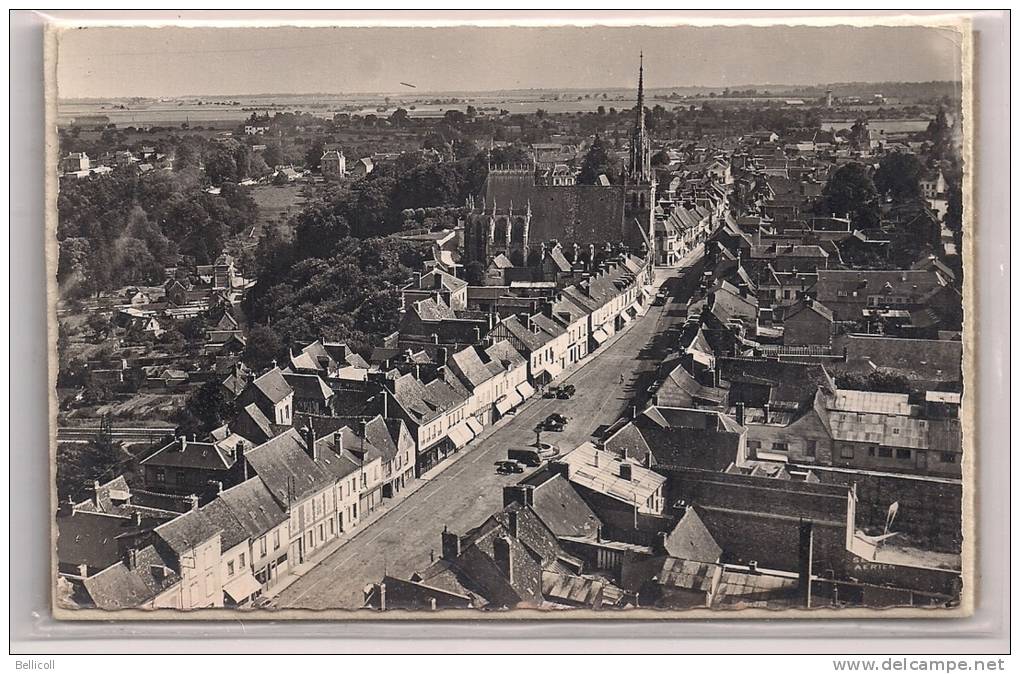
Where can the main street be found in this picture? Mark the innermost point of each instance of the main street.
(462, 496)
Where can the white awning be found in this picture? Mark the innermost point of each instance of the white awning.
(503, 405)
(508, 402)
(475, 425)
(460, 435)
(647, 290)
(241, 588)
(600, 336)
(625, 317)
(526, 390)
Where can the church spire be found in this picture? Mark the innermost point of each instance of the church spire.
(640, 165)
(641, 91)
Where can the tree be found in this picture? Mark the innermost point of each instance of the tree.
(899, 176)
(399, 118)
(99, 324)
(474, 273)
(851, 190)
(263, 347)
(882, 382)
(660, 158)
(79, 465)
(596, 162)
(211, 406)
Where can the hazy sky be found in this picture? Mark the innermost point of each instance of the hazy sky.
(108, 62)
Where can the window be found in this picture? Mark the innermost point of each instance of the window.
(754, 444)
(262, 545)
(780, 447)
(846, 452)
(871, 451)
(160, 475)
(240, 560)
(903, 454)
(179, 476)
(311, 539)
(947, 457)
(210, 586)
(230, 568)
(332, 525)
(354, 509)
(895, 431)
(322, 532)
(885, 452)
(810, 447)
(276, 540)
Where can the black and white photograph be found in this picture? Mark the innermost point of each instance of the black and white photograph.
(493, 321)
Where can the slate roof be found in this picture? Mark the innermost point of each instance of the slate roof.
(308, 386)
(533, 341)
(927, 359)
(562, 510)
(286, 469)
(438, 279)
(605, 477)
(273, 385)
(183, 453)
(120, 587)
(690, 539)
(470, 367)
(430, 309)
(816, 307)
(759, 381)
(504, 353)
(254, 508)
(188, 531)
(91, 538)
(221, 516)
(567, 213)
(252, 413)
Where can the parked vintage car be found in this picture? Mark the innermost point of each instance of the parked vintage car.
(508, 467)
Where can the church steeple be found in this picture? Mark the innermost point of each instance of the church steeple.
(640, 168)
(641, 92)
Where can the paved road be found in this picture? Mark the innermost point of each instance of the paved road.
(467, 492)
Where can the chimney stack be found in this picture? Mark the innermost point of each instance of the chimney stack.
(83, 570)
(752, 567)
(768, 415)
(805, 558)
(451, 545)
(512, 523)
(502, 553)
(309, 435)
(626, 471)
(193, 498)
(382, 596)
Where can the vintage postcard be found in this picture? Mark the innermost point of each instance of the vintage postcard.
(502, 321)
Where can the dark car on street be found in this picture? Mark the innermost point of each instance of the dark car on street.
(528, 457)
(566, 392)
(551, 392)
(508, 467)
(553, 422)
